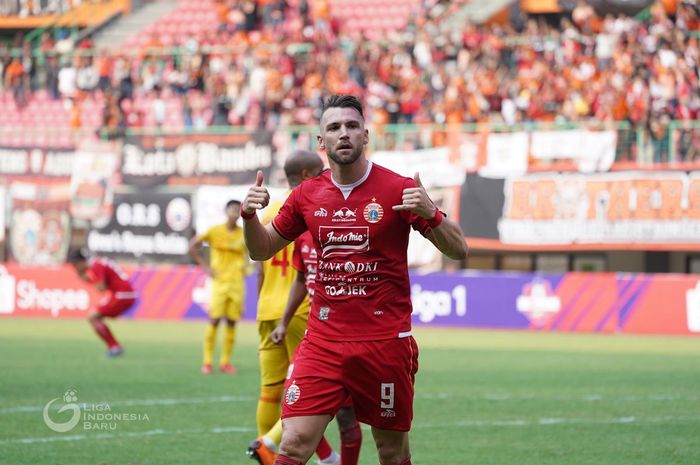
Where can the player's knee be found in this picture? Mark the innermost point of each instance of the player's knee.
(215, 321)
(391, 452)
(296, 445)
(271, 393)
(230, 323)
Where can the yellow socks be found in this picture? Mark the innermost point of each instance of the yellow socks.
(275, 433)
(227, 348)
(209, 343)
(268, 411)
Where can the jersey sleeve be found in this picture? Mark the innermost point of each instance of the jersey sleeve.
(289, 222)
(206, 237)
(97, 273)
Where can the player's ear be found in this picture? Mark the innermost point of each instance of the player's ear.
(366, 139)
(321, 144)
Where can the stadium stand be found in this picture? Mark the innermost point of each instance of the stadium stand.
(194, 68)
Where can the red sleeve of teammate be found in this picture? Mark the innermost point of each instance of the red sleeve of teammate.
(289, 222)
(419, 224)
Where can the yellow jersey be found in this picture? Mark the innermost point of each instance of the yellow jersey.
(228, 254)
(278, 278)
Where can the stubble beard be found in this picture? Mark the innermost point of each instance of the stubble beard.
(346, 160)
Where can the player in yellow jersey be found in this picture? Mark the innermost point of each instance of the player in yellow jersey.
(275, 280)
(228, 259)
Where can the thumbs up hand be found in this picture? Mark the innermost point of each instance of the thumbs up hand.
(416, 200)
(257, 197)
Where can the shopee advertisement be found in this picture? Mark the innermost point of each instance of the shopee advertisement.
(52, 292)
(571, 302)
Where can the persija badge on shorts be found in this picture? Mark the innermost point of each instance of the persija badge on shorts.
(373, 212)
(293, 394)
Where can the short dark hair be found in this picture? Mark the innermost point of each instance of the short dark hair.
(77, 255)
(232, 202)
(343, 101)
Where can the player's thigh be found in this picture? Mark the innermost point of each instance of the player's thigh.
(233, 307)
(315, 383)
(217, 305)
(295, 333)
(380, 377)
(114, 307)
(274, 360)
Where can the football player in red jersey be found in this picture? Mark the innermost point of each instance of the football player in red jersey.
(305, 262)
(105, 275)
(358, 340)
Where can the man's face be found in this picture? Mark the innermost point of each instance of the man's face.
(343, 135)
(233, 212)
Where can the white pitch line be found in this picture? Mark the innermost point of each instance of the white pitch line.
(582, 398)
(133, 434)
(139, 402)
(436, 395)
(541, 422)
(549, 421)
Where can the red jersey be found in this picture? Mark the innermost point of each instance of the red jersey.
(362, 289)
(305, 260)
(101, 270)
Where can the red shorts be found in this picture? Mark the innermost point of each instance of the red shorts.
(115, 307)
(377, 375)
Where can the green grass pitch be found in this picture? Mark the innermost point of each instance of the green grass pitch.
(483, 397)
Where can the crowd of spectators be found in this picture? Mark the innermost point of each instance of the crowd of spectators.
(24, 8)
(269, 64)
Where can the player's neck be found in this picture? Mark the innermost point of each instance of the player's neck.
(231, 226)
(348, 174)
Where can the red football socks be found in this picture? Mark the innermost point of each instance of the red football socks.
(105, 334)
(324, 449)
(350, 443)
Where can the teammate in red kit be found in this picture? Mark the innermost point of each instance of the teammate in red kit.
(105, 275)
(358, 341)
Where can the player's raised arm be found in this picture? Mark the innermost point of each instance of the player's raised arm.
(445, 234)
(262, 241)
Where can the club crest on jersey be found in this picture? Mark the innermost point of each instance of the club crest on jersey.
(373, 212)
(293, 394)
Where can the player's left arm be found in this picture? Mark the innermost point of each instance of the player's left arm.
(296, 297)
(446, 235)
(97, 276)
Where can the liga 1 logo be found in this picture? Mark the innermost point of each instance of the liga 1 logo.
(94, 416)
